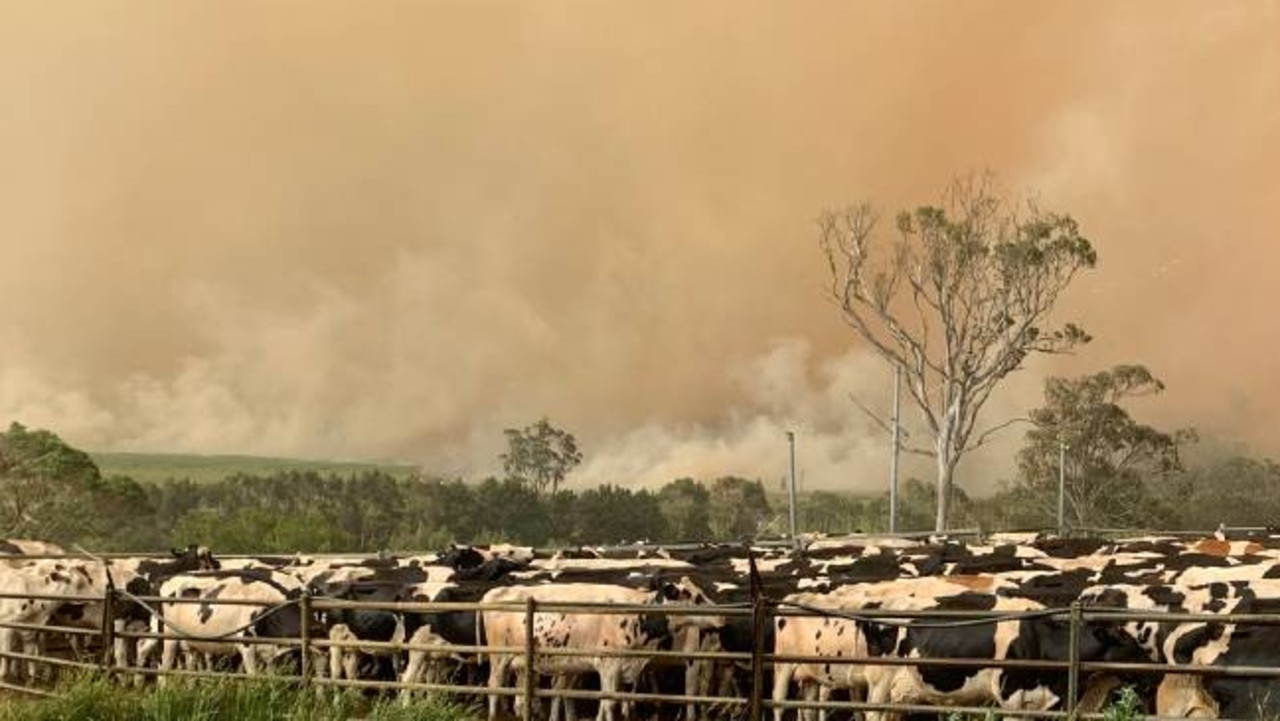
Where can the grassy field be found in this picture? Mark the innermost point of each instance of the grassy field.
(98, 699)
(155, 467)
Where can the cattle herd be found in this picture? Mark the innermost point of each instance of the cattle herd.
(833, 607)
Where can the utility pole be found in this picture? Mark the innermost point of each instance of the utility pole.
(1062, 488)
(791, 441)
(897, 445)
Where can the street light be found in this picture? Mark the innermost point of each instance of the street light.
(791, 441)
(1062, 488)
(897, 446)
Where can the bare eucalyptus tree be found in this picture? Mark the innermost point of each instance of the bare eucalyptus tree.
(958, 298)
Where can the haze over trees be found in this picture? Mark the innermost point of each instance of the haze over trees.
(957, 300)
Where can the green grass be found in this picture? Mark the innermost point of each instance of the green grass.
(95, 698)
(157, 467)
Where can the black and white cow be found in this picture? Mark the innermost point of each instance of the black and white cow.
(41, 581)
(589, 631)
(196, 623)
(348, 626)
(1031, 637)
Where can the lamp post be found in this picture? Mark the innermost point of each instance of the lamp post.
(1062, 488)
(897, 445)
(791, 489)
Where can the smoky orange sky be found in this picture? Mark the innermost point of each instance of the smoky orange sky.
(388, 230)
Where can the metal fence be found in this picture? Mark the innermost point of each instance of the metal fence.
(752, 702)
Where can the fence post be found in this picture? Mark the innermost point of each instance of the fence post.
(1073, 660)
(108, 627)
(754, 703)
(758, 618)
(304, 635)
(529, 677)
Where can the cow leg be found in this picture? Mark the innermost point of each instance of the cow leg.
(877, 693)
(351, 664)
(143, 649)
(249, 658)
(6, 646)
(520, 700)
(120, 646)
(609, 684)
(146, 647)
(168, 654)
(335, 663)
(414, 671)
(694, 674)
(497, 678)
(397, 663)
(570, 705)
(339, 654)
(782, 674)
(562, 682)
(344, 661)
(824, 697)
(33, 645)
(807, 690)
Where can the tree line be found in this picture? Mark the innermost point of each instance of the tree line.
(50, 490)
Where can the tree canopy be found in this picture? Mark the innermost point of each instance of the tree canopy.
(45, 484)
(1112, 460)
(541, 455)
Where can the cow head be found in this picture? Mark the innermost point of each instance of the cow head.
(683, 591)
(882, 639)
(1109, 642)
(461, 558)
(193, 558)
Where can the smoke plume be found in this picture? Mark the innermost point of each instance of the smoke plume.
(390, 230)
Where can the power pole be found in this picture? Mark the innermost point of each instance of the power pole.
(791, 441)
(897, 445)
(1062, 488)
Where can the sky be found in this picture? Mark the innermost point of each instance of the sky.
(355, 230)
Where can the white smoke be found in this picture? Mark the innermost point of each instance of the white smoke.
(839, 446)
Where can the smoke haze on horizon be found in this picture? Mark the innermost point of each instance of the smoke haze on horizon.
(391, 230)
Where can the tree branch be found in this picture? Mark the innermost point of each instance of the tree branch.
(982, 437)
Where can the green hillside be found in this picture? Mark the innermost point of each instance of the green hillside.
(156, 467)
